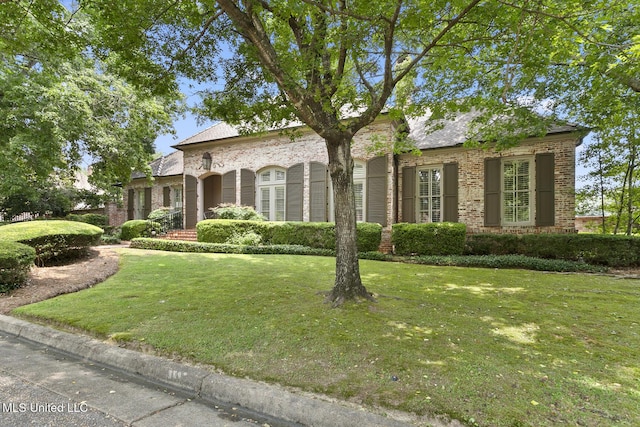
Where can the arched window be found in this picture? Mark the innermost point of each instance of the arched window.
(271, 193)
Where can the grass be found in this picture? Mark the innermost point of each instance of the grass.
(487, 347)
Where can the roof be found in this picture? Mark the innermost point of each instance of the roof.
(216, 132)
(169, 165)
(455, 132)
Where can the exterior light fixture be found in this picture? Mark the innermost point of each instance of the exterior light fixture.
(206, 161)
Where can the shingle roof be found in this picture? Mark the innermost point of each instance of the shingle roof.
(169, 165)
(216, 132)
(455, 132)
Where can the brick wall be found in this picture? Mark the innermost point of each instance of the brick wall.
(273, 150)
(471, 181)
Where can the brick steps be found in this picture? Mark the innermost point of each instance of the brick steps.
(188, 235)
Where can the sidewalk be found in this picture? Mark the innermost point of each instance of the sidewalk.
(184, 395)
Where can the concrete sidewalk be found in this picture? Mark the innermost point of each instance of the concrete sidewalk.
(187, 384)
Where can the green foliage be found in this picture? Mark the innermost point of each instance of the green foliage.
(98, 220)
(319, 235)
(249, 238)
(158, 213)
(53, 241)
(227, 248)
(138, 228)
(607, 250)
(60, 103)
(233, 211)
(16, 260)
(507, 261)
(429, 239)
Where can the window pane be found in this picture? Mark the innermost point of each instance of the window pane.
(280, 175)
(358, 190)
(516, 191)
(429, 192)
(265, 176)
(279, 207)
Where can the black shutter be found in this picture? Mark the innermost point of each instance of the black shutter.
(247, 188)
(377, 190)
(130, 205)
(147, 202)
(545, 189)
(295, 195)
(492, 192)
(450, 192)
(317, 192)
(191, 201)
(409, 194)
(229, 187)
(166, 197)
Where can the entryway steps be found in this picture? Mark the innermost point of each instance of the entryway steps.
(188, 235)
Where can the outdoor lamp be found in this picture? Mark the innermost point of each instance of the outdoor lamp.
(206, 161)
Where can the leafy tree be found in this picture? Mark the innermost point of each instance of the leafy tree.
(335, 66)
(60, 106)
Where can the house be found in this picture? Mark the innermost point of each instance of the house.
(525, 189)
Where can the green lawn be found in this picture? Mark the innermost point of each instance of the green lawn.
(492, 347)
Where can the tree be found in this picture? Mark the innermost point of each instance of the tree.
(60, 106)
(335, 65)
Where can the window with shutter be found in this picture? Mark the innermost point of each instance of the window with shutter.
(517, 186)
(229, 187)
(271, 188)
(318, 178)
(294, 192)
(429, 197)
(376, 191)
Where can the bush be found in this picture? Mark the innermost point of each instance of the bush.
(600, 249)
(138, 228)
(16, 260)
(158, 213)
(94, 219)
(53, 241)
(444, 238)
(232, 211)
(320, 235)
(248, 238)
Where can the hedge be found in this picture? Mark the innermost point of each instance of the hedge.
(53, 240)
(98, 220)
(138, 228)
(319, 235)
(600, 249)
(446, 238)
(16, 260)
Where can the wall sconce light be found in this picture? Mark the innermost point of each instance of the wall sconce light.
(206, 161)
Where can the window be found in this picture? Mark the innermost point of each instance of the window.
(359, 190)
(271, 194)
(517, 183)
(359, 180)
(430, 195)
(140, 207)
(177, 198)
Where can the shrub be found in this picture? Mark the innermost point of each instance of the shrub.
(158, 213)
(232, 211)
(248, 238)
(608, 250)
(320, 235)
(138, 228)
(53, 240)
(16, 260)
(429, 239)
(94, 219)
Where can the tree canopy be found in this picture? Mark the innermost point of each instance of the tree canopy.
(335, 65)
(60, 106)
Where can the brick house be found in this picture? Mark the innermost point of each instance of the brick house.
(524, 189)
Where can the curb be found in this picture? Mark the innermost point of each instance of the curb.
(260, 397)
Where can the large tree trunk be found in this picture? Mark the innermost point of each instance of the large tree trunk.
(348, 285)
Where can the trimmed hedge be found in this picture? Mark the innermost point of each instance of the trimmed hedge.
(600, 249)
(319, 235)
(53, 240)
(446, 238)
(202, 247)
(16, 260)
(138, 228)
(94, 219)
